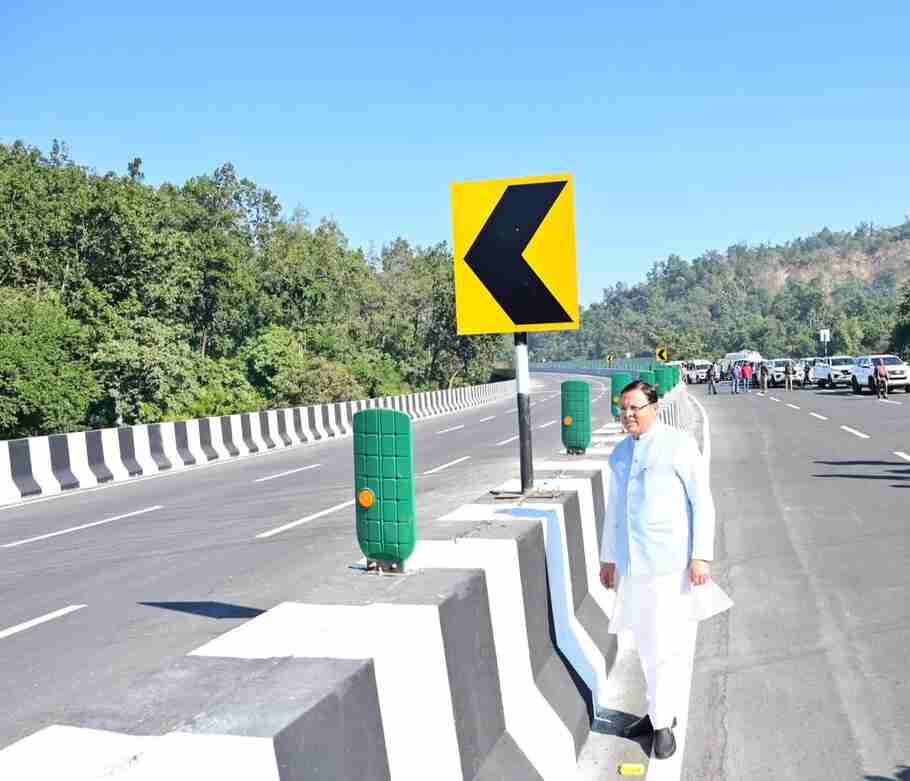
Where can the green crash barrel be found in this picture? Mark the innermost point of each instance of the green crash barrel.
(648, 376)
(384, 485)
(576, 416)
(618, 381)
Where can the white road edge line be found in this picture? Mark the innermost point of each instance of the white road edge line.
(83, 526)
(855, 432)
(445, 466)
(816, 415)
(506, 441)
(285, 474)
(792, 406)
(902, 454)
(313, 517)
(447, 430)
(551, 423)
(40, 620)
(484, 420)
(773, 398)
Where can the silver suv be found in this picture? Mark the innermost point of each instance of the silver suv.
(864, 373)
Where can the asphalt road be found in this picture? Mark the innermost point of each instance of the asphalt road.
(807, 677)
(151, 569)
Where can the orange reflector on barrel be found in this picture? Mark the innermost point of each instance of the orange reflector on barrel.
(366, 498)
(567, 420)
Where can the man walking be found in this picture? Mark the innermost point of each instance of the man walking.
(658, 542)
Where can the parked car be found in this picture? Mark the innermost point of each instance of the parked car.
(697, 371)
(834, 371)
(777, 371)
(811, 363)
(863, 373)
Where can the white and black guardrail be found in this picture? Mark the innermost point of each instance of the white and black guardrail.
(42, 466)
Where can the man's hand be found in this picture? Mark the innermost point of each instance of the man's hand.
(608, 574)
(699, 572)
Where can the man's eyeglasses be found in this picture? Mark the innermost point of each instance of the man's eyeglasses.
(632, 410)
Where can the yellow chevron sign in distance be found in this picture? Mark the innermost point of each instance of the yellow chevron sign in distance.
(662, 354)
(515, 266)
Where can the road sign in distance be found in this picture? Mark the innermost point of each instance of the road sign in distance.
(662, 354)
(515, 267)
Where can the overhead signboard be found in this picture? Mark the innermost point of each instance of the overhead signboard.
(662, 354)
(514, 242)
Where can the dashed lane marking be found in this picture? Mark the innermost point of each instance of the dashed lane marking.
(82, 526)
(902, 454)
(816, 415)
(889, 401)
(544, 425)
(446, 466)
(506, 441)
(285, 474)
(855, 432)
(792, 406)
(13, 630)
(484, 420)
(313, 517)
(773, 398)
(447, 430)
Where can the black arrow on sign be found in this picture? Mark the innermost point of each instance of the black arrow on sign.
(496, 254)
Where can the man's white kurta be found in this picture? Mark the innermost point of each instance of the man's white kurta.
(660, 516)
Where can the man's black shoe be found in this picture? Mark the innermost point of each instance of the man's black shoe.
(664, 743)
(639, 727)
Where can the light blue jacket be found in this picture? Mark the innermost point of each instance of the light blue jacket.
(660, 514)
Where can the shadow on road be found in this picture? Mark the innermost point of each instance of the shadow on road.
(902, 472)
(209, 609)
(901, 773)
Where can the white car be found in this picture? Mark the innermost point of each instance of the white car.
(777, 371)
(834, 371)
(864, 373)
(697, 371)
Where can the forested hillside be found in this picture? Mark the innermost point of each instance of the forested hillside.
(122, 301)
(773, 299)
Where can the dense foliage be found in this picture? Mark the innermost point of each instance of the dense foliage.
(121, 301)
(773, 299)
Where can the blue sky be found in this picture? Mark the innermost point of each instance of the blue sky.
(686, 128)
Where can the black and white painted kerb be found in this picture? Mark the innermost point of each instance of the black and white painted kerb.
(43, 466)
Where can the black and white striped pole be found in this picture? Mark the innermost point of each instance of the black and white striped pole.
(523, 384)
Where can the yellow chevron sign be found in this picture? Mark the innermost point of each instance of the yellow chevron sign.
(662, 354)
(514, 242)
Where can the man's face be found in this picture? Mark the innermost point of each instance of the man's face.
(635, 413)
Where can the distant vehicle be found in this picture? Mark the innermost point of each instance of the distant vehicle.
(863, 374)
(697, 371)
(811, 363)
(742, 356)
(777, 371)
(834, 371)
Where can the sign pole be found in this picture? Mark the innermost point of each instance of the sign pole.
(523, 383)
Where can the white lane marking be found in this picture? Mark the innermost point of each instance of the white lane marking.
(447, 430)
(439, 468)
(313, 517)
(551, 423)
(792, 406)
(773, 398)
(888, 401)
(83, 526)
(285, 474)
(902, 454)
(506, 441)
(816, 415)
(40, 620)
(855, 432)
(484, 420)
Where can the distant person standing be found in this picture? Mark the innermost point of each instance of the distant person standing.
(806, 370)
(737, 378)
(763, 376)
(881, 380)
(712, 379)
(789, 371)
(747, 377)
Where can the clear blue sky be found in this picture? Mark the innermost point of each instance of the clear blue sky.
(686, 129)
